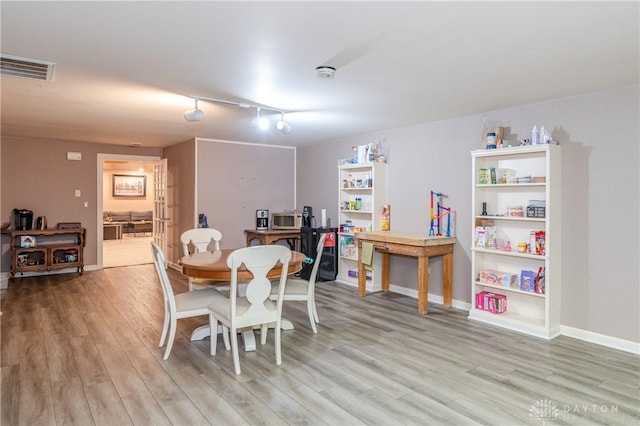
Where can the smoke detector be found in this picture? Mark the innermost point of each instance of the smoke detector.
(325, 71)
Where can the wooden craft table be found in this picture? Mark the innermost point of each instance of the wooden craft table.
(270, 236)
(418, 245)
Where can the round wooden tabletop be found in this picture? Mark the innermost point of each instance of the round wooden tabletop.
(213, 265)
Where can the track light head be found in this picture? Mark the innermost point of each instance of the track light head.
(194, 114)
(262, 122)
(283, 126)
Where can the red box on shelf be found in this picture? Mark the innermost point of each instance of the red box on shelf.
(491, 302)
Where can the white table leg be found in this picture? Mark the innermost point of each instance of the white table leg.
(249, 340)
(248, 337)
(286, 324)
(201, 332)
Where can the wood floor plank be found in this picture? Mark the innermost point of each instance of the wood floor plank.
(83, 349)
(124, 376)
(279, 401)
(10, 348)
(156, 379)
(143, 409)
(60, 358)
(323, 408)
(9, 394)
(184, 413)
(359, 407)
(70, 402)
(420, 409)
(36, 402)
(250, 407)
(88, 361)
(106, 406)
(209, 402)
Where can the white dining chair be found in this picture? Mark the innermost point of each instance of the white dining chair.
(256, 309)
(298, 289)
(177, 306)
(198, 240)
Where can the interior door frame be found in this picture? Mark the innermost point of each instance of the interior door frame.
(99, 202)
(160, 203)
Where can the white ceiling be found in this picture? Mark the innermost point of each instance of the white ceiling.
(125, 69)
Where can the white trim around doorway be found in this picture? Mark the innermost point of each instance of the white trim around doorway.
(99, 202)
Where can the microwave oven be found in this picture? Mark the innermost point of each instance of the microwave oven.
(286, 220)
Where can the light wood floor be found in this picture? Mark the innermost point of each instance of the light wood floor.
(127, 251)
(83, 350)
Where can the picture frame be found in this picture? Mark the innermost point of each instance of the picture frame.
(27, 241)
(129, 186)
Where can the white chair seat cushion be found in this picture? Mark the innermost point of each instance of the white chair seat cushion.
(222, 310)
(192, 302)
(294, 287)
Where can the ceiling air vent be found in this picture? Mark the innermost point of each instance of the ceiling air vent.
(26, 67)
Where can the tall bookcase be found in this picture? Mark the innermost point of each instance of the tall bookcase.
(521, 189)
(361, 196)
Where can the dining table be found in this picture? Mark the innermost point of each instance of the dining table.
(212, 265)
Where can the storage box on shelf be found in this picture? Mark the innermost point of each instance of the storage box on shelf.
(516, 242)
(52, 249)
(361, 195)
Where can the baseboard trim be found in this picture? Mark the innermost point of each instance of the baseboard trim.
(601, 339)
(434, 298)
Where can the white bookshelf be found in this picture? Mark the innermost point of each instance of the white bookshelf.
(366, 181)
(528, 312)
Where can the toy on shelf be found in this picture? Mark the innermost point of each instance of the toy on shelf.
(436, 216)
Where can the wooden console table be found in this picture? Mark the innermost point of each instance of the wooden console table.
(417, 245)
(53, 249)
(270, 236)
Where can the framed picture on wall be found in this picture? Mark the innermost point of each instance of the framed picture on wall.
(129, 186)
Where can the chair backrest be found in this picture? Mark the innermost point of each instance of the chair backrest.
(259, 260)
(316, 264)
(159, 262)
(200, 239)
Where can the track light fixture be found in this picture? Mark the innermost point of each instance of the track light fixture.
(194, 114)
(261, 121)
(283, 126)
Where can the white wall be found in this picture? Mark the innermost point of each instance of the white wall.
(599, 134)
(233, 180)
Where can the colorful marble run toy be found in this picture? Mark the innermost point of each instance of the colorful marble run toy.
(437, 215)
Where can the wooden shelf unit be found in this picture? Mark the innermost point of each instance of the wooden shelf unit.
(54, 249)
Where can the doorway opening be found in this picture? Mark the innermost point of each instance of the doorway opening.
(126, 210)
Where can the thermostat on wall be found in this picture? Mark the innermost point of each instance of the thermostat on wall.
(74, 155)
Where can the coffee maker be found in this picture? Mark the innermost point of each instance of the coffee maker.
(262, 219)
(22, 219)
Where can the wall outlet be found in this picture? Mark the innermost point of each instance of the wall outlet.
(77, 193)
